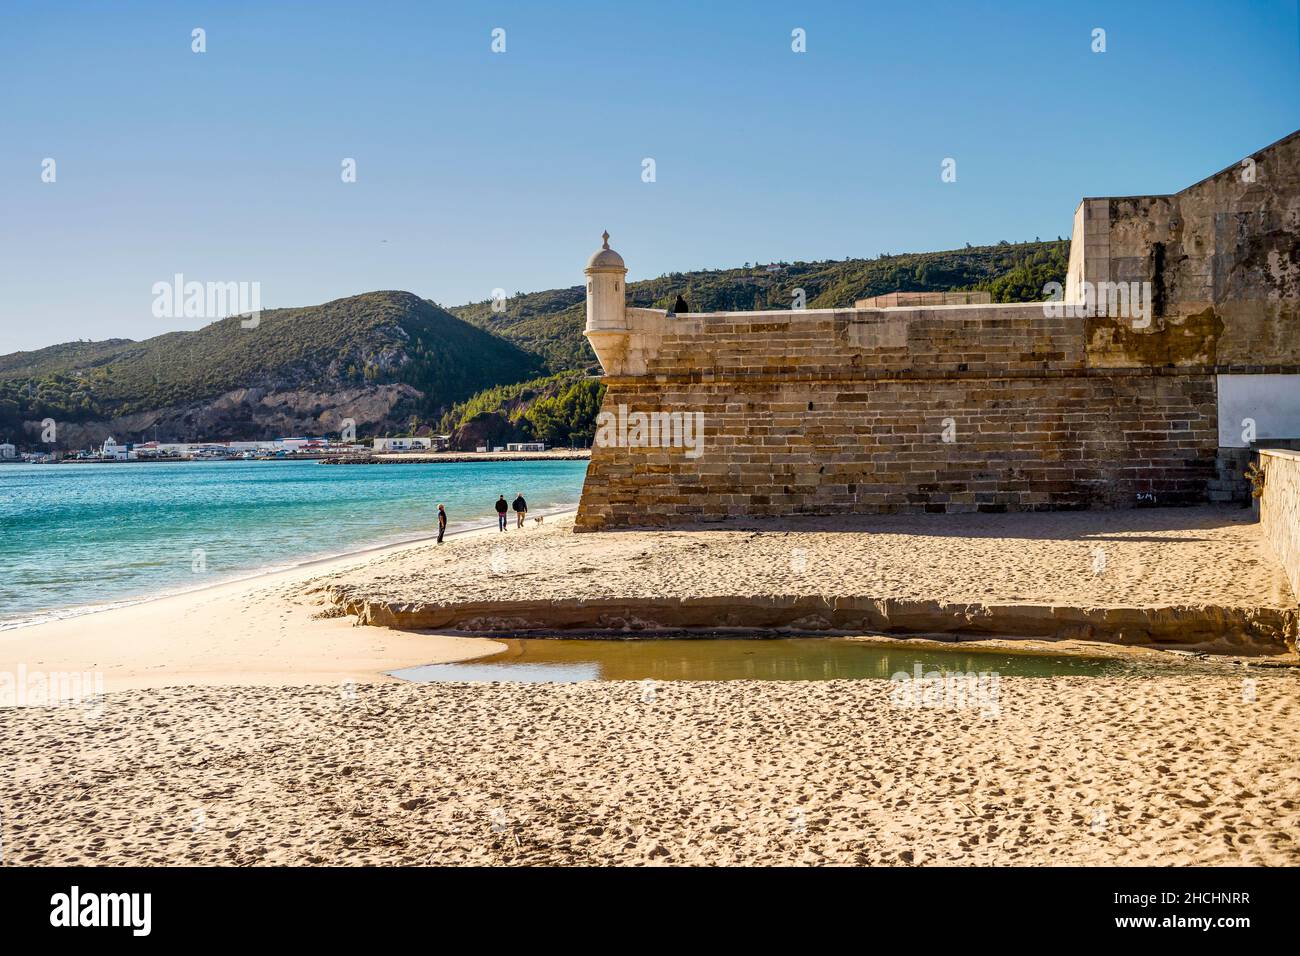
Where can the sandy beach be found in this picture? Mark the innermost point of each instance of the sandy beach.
(1073, 771)
(252, 723)
(1156, 556)
(285, 627)
(1176, 576)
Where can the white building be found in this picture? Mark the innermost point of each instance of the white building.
(115, 452)
(526, 446)
(403, 444)
(8, 451)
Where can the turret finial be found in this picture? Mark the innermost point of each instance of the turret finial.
(605, 236)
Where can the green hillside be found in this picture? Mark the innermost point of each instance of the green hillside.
(60, 358)
(550, 323)
(380, 338)
(557, 409)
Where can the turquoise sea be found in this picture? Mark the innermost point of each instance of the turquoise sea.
(76, 537)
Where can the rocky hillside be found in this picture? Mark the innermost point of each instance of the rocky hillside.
(378, 358)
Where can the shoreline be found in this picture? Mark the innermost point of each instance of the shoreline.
(295, 626)
(78, 611)
(264, 629)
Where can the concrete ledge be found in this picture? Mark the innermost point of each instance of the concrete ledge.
(1210, 627)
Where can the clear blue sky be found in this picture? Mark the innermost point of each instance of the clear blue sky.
(479, 170)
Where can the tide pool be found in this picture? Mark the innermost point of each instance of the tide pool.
(84, 535)
(564, 660)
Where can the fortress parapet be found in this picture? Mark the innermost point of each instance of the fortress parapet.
(1172, 353)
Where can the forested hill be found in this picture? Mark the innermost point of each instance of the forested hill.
(550, 323)
(377, 358)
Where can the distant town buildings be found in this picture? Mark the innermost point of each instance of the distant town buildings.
(113, 450)
(280, 448)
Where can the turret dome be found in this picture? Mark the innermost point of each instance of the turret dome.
(605, 259)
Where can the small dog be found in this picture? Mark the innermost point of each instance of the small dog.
(539, 518)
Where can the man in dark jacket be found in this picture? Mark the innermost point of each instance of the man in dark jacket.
(521, 510)
(502, 508)
(680, 305)
(442, 522)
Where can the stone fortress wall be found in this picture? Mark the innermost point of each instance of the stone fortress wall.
(951, 408)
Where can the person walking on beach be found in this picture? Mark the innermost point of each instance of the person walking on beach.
(521, 510)
(442, 522)
(502, 508)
